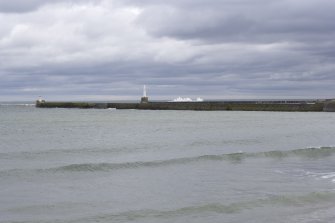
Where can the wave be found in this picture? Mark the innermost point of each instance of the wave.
(326, 198)
(319, 152)
(328, 175)
(13, 104)
(218, 208)
(73, 151)
(233, 157)
(310, 153)
(323, 175)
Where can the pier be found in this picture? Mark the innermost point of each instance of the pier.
(322, 105)
(285, 106)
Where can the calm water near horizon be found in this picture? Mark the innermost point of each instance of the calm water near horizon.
(73, 165)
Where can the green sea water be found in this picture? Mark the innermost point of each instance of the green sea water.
(74, 165)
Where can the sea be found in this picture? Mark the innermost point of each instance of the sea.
(106, 165)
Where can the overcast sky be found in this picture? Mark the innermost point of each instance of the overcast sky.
(215, 49)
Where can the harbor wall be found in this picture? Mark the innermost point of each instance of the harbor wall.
(329, 106)
(197, 106)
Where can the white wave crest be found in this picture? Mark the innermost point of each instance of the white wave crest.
(180, 99)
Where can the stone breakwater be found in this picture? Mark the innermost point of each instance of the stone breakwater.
(285, 106)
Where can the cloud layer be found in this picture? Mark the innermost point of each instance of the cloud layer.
(105, 50)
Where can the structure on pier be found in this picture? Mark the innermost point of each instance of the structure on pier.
(40, 100)
(144, 98)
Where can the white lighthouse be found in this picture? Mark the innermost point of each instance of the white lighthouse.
(144, 98)
(144, 91)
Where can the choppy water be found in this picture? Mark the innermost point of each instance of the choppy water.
(71, 165)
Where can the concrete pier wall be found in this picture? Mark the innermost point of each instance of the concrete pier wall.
(329, 106)
(198, 106)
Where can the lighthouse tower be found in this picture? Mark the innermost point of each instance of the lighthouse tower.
(144, 98)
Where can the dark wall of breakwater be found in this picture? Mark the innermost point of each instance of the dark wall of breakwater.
(329, 106)
(287, 106)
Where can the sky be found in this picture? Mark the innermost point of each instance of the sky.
(214, 49)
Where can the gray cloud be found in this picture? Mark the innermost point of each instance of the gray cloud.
(19, 6)
(215, 49)
(257, 20)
